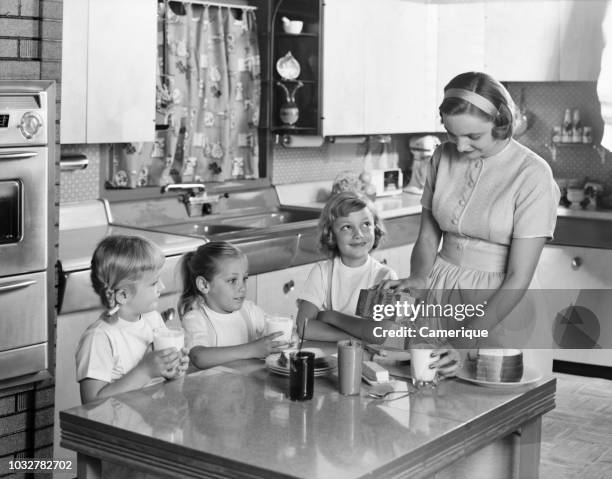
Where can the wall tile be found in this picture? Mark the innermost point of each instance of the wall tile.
(51, 50)
(52, 9)
(30, 8)
(8, 48)
(84, 184)
(17, 27)
(9, 7)
(7, 405)
(16, 70)
(29, 48)
(51, 30)
(13, 424)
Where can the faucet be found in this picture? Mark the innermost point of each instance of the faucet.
(195, 194)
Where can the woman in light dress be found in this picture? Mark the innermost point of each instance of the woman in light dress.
(489, 205)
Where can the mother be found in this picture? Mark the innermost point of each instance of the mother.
(491, 201)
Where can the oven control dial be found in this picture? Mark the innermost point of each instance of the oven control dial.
(30, 124)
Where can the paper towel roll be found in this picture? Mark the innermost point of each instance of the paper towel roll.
(299, 141)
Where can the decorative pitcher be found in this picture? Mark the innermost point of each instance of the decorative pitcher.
(289, 112)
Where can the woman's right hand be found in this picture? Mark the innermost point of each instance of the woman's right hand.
(162, 363)
(264, 346)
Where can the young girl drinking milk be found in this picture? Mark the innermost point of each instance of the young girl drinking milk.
(221, 325)
(115, 354)
(349, 228)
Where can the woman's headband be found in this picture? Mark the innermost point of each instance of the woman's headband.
(475, 99)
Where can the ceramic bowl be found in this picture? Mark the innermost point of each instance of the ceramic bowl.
(293, 26)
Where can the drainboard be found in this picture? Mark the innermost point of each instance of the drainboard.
(200, 229)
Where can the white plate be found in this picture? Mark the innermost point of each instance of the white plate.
(529, 376)
(273, 366)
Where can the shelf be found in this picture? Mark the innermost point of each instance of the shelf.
(305, 82)
(572, 144)
(297, 35)
(286, 129)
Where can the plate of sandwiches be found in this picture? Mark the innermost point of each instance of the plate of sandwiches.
(278, 363)
(499, 369)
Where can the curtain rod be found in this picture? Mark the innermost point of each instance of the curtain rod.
(218, 4)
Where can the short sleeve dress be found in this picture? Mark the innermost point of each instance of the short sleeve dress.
(481, 205)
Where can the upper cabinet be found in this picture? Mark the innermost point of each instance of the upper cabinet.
(108, 71)
(522, 40)
(581, 39)
(381, 66)
(376, 70)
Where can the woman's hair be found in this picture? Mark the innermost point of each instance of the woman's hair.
(488, 88)
(120, 261)
(343, 204)
(202, 262)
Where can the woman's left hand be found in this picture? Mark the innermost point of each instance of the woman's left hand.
(449, 361)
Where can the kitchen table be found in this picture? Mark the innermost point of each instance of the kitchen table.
(236, 421)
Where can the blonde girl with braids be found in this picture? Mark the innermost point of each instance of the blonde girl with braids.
(221, 325)
(115, 353)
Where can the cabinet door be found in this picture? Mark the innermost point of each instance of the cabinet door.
(465, 21)
(522, 40)
(74, 71)
(398, 259)
(344, 66)
(277, 291)
(399, 91)
(581, 39)
(122, 55)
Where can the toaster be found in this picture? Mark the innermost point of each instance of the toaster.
(387, 181)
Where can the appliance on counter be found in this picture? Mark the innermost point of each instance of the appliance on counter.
(387, 181)
(27, 241)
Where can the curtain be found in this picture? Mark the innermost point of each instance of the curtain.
(209, 93)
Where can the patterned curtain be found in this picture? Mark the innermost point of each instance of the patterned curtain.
(209, 92)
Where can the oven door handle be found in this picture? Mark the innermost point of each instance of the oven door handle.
(17, 155)
(12, 286)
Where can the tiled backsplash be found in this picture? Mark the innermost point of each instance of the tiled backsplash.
(82, 185)
(547, 103)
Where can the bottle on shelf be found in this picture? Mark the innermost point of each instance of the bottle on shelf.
(567, 130)
(576, 127)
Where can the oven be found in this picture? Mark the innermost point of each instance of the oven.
(27, 212)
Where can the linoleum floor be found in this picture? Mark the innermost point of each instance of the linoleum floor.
(577, 434)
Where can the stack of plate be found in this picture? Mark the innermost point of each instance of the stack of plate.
(323, 364)
(499, 365)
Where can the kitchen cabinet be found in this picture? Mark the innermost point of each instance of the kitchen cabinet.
(581, 38)
(578, 280)
(522, 46)
(277, 291)
(109, 62)
(375, 57)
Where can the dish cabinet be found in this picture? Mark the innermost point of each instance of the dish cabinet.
(363, 66)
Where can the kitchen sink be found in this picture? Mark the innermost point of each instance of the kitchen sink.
(269, 219)
(200, 229)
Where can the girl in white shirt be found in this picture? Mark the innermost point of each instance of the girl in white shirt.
(221, 325)
(115, 353)
(349, 228)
